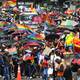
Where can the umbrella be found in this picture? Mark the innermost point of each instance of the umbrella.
(24, 47)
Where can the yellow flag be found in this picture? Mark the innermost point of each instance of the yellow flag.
(69, 39)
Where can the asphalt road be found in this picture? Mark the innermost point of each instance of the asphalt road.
(23, 78)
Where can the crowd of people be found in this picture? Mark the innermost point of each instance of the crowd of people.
(34, 63)
(50, 55)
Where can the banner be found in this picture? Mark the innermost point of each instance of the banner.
(12, 50)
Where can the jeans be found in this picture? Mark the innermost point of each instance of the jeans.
(45, 75)
(6, 73)
(28, 70)
(60, 78)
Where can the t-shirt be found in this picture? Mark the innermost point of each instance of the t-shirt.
(78, 77)
(50, 71)
(41, 57)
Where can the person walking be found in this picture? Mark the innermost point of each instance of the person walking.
(6, 73)
(68, 72)
(50, 72)
(77, 76)
(45, 69)
(1, 64)
(60, 70)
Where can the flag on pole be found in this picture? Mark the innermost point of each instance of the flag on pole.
(69, 39)
(23, 27)
(76, 42)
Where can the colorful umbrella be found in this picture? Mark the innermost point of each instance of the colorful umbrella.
(24, 47)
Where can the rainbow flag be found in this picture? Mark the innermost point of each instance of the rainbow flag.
(76, 43)
(11, 3)
(23, 27)
(69, 39)
(35, 37)
(2, 23)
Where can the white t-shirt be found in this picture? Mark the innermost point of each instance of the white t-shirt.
(54, 57)
(50, 71)
(41, 57)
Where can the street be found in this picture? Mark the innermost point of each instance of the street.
(24, 79)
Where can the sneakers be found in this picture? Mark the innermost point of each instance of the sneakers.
(0, 76)
(30, 77)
